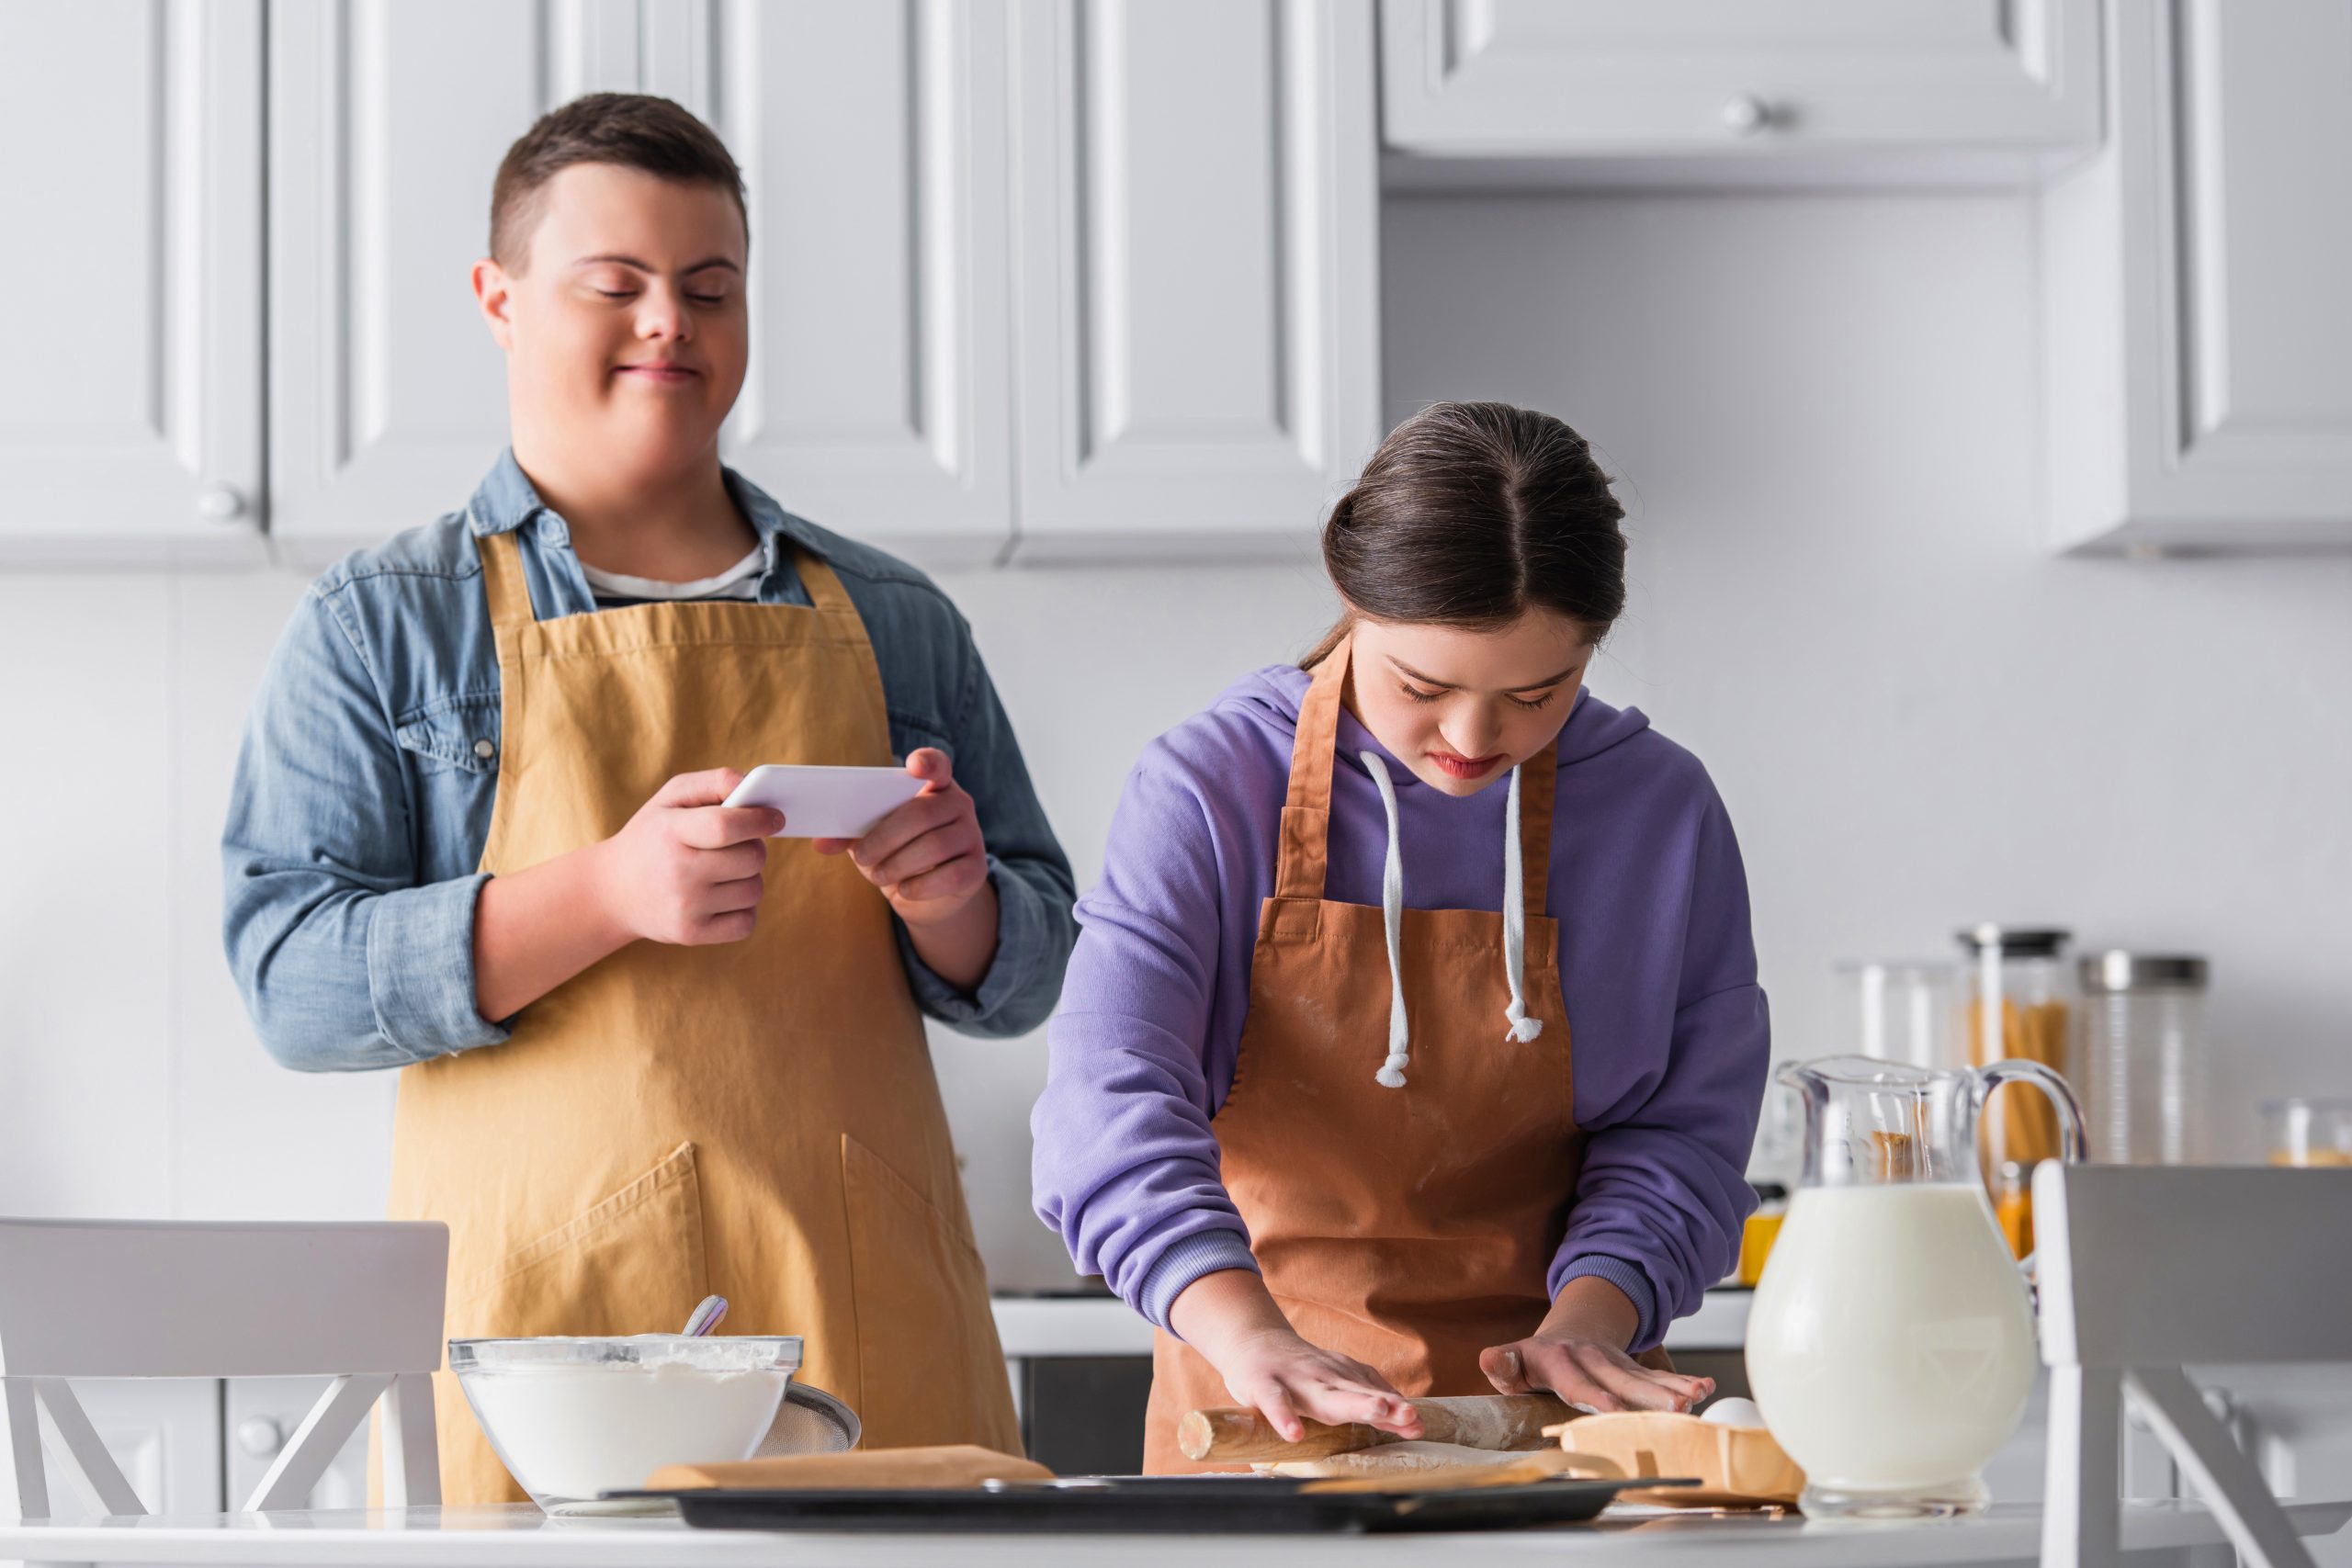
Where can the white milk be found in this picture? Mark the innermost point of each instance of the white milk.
(1889, 1344)
(569, 1432)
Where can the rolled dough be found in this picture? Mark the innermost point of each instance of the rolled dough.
(1392, 1459)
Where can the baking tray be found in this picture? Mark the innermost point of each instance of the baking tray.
(1187, 1505)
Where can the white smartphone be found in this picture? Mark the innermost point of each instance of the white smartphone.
(827, 803)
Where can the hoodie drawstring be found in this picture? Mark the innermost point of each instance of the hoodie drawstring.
(1392, 919)
(1523, 1029)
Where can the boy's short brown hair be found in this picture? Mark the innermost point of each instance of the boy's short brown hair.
(635, 130)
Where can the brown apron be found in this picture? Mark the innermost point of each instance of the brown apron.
(1410, 1228)
(758, 1119)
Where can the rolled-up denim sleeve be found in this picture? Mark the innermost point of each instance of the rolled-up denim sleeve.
(1034, 890)
(344, 962)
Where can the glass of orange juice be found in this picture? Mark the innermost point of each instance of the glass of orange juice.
(2308, 1130)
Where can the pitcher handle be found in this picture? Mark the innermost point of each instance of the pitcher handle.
(2073, 1136)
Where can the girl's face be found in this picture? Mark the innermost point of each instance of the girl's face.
(1460, 707)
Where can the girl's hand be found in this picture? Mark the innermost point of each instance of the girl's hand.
(1229, 1318)
(1577, 1353)
(1287, 1380)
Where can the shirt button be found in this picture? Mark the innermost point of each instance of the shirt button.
(485, 750)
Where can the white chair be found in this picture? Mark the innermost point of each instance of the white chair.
(360, 1304)
(2146, 1269)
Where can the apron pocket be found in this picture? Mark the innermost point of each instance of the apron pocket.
(929, 1366)
(633, 1263)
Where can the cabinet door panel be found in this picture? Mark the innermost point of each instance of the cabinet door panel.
(387, 399)
(872, 139)
(1567, 77)
(2296, 1423)
(2254, 324)
(260, 1417)
(131, 430)
(164, 1434)
(2197, 330)
(1196, 261)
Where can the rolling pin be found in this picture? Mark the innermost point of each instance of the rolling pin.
(1504, 1422)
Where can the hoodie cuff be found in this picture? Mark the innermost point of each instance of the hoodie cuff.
(1628, 1277)
(1207, 1252)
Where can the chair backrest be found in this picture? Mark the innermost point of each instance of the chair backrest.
(360, 1304)
(126, 1298)
(2157, 1266)
(2148, 1268)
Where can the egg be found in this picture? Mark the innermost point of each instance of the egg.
(1734, 1411)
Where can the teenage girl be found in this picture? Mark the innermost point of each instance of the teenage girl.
(1412, 1044)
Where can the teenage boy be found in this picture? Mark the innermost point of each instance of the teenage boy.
(477, 835)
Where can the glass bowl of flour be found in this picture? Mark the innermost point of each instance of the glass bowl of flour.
(575, 1419)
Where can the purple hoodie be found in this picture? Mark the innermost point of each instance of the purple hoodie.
(1667, 1023)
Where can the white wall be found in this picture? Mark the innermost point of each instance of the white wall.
(1825, 414)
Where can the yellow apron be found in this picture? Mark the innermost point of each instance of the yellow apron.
(759, 1119)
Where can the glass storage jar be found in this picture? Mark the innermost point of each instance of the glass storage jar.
(2308, 1130)
(2142, 1057)
(1902, 1010)
(2017, 1003)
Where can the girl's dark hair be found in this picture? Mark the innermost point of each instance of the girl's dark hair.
(1471, 514)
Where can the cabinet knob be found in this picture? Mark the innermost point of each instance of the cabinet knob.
(1746, 115)
(260, 1436)
(222, 503)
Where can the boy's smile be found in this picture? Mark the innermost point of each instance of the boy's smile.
(661, 373)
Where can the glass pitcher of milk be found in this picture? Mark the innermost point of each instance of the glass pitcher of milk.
(1890, 1342)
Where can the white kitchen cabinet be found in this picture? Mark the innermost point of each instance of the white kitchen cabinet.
(1769, 90)
(873, 143)
(2296, 1422)
(387, 399)
(259, 1417)
(2195, 325)
(198, 1445)
(1003, 275)
(871, 139)
(164, 1436)
(130, 421)
(1195, 242)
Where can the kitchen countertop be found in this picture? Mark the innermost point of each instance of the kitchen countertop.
(1102, 1326)
(519, 1535)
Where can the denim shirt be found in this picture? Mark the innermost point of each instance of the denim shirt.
(365, 782)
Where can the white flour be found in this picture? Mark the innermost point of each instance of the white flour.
(569, 1432)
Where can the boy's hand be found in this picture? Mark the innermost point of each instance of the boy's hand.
(926, 857)
(686, 869)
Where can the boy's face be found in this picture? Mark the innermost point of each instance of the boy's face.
(623, 322)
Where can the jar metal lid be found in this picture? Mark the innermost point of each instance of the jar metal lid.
(2014, 941)
(2116, 970)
